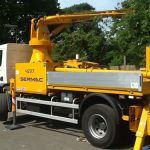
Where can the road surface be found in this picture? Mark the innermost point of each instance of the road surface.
(42, 134)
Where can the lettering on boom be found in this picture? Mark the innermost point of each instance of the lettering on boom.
(31, 79)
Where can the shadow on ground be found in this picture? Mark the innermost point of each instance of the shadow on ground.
(124, 141)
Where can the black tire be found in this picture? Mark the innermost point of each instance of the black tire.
(99, 125)
(3, 107)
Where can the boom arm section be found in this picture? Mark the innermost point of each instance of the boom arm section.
(40, 35)
(72, 18)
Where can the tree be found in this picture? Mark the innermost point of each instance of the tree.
(130, 35)
(20, 13)
(86, 39)
(83, 7)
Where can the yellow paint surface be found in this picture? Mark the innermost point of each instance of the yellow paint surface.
(31, 78)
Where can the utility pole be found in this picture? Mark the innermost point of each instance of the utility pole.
(124, 62)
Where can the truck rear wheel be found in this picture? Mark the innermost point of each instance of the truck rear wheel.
(3, 107)
(99, 125)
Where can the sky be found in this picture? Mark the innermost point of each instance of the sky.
(98, 4)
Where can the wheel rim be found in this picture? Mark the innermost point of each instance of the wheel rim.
(97, 126)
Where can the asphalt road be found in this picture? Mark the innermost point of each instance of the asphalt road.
(41, 134)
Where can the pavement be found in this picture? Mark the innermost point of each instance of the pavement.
(43, 134)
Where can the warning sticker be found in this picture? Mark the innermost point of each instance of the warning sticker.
(134, 85)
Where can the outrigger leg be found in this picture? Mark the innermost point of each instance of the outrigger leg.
(144, 126)
(12, 90)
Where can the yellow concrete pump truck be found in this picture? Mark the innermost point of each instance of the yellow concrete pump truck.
(73, 91)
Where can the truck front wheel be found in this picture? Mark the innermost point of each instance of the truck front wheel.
(99, 125)
(3, 107)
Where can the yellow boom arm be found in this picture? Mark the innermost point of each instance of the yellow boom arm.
(40, 35)
(72, 18)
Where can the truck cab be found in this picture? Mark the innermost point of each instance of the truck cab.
(10, 54)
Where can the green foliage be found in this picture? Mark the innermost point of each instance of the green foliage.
(130, 35)
(20, 13)
(91, 46)
(86, 39)
(83, 7)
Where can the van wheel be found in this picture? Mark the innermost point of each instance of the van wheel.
(99, 125)
(3, 107)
